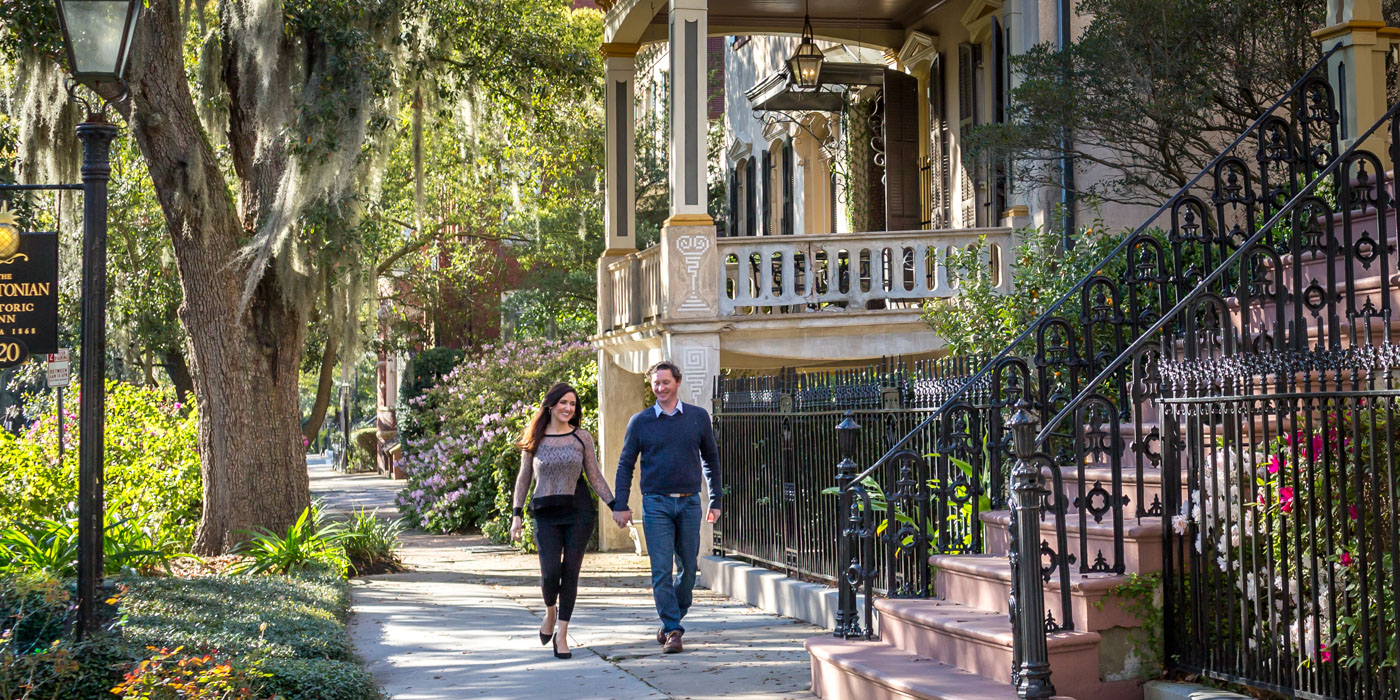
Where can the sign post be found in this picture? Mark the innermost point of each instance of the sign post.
(58, 376)
(28, 292)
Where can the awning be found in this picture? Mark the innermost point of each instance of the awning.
(777, 92)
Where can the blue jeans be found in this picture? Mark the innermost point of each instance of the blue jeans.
(672, 527)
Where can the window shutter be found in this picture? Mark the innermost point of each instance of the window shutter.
(788, 217)
(902, 202)
(967, 117)
(940, 194)
(732, 224)
(767, 195)
(751, 194)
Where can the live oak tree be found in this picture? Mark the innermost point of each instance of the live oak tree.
(264, 126)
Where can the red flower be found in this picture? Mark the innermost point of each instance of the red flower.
(1353, 513)
(1273, 464)
(1285, 499)
(1326, 655)
(1346, 558)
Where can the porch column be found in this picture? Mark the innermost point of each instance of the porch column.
(689, 124)
(619, 398)
(1357, 70)
(697, 354)
(619, 108)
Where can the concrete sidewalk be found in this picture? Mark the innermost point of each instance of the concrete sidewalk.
(463, 622)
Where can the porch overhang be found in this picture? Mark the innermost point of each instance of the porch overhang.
(777, 93)
(875, 23)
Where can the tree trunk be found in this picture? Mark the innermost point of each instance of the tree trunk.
(179, 371)
(245, 361)
(325, 379)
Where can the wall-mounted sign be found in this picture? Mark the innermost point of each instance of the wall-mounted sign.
(28, 291)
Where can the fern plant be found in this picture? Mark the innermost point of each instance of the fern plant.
(310, 543)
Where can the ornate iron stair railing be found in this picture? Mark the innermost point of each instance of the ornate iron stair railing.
(1099, 367)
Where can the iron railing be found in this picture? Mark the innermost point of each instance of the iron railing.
(780, 464)
(1236, 254)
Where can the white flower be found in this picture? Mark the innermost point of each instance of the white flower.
(1235, 535)
(1179, 524)
(1222, 563)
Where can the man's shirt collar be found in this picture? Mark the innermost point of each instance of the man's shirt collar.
(680, 408)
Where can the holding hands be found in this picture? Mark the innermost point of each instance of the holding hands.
(622, 517)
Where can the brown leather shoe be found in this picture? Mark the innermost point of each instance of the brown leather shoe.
(673, 643)
(661, 636)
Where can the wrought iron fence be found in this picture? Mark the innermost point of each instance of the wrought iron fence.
(1282, 249)
(780, 469)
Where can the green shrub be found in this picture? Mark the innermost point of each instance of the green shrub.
(267, 616)
(317, 679)
(371, 543)
(311, 543)
(366, 447)
(425, 370)
(38, 657)
(292, 629)
(171, 675)
(152, 478)
(459, 437)
(50, 545)
(981, 320)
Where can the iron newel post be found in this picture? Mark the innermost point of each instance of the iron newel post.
(96, 135)
(1028, 597)
(847, 430)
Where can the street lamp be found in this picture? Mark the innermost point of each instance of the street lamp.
(97, 37)
(806, 62)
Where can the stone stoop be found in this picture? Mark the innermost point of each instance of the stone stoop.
(980, 641)
(1142, 539)
(877, 671)
(984, 581)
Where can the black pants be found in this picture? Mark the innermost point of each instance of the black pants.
(561, 543)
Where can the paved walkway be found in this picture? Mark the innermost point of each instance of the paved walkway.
(462, 624)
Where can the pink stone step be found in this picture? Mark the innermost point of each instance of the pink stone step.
(979, 641)
(984, 581)
(1142, 538)
(859, 670)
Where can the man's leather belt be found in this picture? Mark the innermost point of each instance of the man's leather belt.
(680, 495)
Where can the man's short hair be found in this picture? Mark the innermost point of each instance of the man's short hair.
(665, 364)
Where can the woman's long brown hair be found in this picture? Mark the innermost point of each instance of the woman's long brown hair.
(534, 430)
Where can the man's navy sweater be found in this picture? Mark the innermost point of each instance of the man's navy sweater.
(671, 448)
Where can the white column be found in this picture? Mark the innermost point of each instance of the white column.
(620, 111)
(1357, 70)
(689, 78)
(619, 397)
(697, 354)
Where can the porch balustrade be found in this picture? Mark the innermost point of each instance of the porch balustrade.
(631, 290)
(848, 272)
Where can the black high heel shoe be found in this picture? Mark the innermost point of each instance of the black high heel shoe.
(544, 638)
(565, 655)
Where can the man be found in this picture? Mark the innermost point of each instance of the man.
(677, 446)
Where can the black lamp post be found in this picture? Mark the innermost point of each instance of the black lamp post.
(97, 36)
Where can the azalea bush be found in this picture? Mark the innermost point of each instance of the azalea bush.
(1300, 527)
(459, 436)
(152, 480)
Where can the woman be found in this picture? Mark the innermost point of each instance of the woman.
(557, 455)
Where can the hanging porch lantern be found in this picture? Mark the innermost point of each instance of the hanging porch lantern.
(806, 62)
(97, 36)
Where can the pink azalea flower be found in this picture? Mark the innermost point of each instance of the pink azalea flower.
(1273, 464)
(1346, 558)
(1285, 499)
(1326, 655)
(1353, 512)
(1316, 446)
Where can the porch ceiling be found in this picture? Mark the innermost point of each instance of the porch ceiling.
(881, 23)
